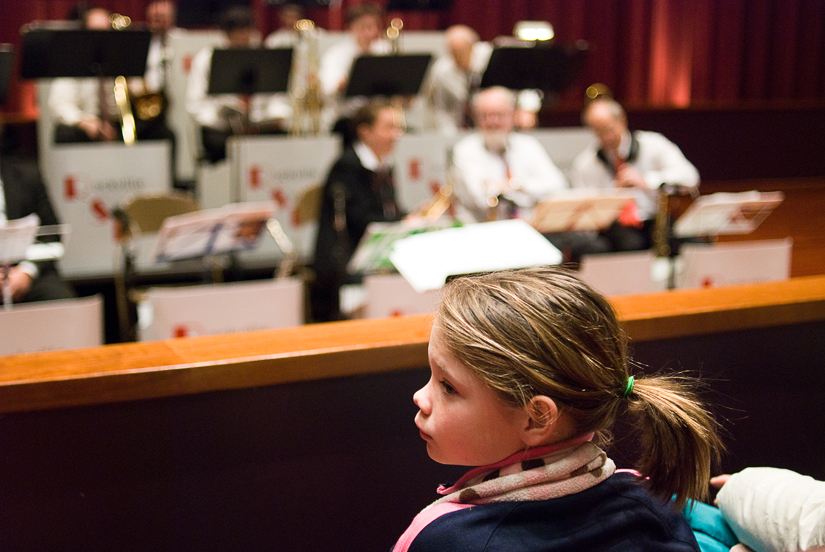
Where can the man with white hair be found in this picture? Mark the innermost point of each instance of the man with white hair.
(500, 173)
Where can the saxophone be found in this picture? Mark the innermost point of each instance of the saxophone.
(660, 233)
(306, 93)
(121, 89)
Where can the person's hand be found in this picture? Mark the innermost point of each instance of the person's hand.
(97, 129)
(19, 282)
(629, 177)
(719, 480)
(526, 119)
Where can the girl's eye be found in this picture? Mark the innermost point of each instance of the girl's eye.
(448, 389)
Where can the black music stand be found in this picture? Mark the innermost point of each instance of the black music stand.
(6, 63)
(396, 75)
(51, 52)
(550, 68)
(250, 71)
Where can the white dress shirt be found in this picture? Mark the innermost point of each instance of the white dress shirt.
(659, 161)
(335, 68)
(213, 110)
(481, 172)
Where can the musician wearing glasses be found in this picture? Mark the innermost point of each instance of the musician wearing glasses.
(499, 172)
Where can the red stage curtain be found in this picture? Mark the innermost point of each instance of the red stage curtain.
(649, 52)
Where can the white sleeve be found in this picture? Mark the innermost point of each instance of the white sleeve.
(774, 510)
(532, 165)
(203, 108)
(471, 172)
(335, 66)
(64, 102)
(670, 165)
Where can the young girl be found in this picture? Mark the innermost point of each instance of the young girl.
(529, 371)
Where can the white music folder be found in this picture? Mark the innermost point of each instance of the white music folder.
(427, 260)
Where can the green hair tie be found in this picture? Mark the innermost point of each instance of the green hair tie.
(629, 389)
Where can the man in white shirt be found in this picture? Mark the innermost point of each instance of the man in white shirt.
(84, 109)
(365, 24)
(640, 161)
(501, 173)
(223, 115)
(455, 77)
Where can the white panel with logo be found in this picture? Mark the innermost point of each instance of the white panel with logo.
(216, 309)
(86, 183)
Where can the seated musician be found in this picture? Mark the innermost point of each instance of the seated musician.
(22, 193)
(358, 190)
(640, 160)
(85, 109)
(500, 172)
(223, 115)
(364, 23)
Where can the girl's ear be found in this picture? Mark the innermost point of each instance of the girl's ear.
(542, 421)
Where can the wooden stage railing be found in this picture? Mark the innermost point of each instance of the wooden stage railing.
(304, 440)
(136, 371)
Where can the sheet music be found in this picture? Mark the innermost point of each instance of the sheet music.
(579, 210)
(234, 227)
(16, 236)
(727, 213)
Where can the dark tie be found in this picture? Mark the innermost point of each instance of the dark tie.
(383, 187)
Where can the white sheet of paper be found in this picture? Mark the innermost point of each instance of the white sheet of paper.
(426, 260)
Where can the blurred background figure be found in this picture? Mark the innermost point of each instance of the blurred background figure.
(84, 110)
(500, 172)
(359, 190)
(223, 115)
(641, 161)
(455, 77)
(365, 24)
(22, 193)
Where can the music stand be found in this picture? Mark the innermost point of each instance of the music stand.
(550, 68)
(396, 75)
(201, 234)
(726, 213)
(6, 63)
(576, 212)
(244, 71)
(51, 52)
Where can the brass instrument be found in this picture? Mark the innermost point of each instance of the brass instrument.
(306, 92)
(121, 89)
(124, 107)
(442, 200)
(659, 234)
(394, 34)
(150, 105)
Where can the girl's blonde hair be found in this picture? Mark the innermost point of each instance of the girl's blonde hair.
(542, 331)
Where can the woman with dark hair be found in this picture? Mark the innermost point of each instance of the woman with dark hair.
(358, 191)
